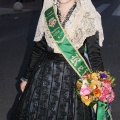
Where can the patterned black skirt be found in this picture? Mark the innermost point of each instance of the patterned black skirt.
(50, 94)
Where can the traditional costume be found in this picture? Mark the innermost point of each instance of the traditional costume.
(52, 71)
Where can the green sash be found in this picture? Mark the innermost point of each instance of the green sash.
(64, 44)
(67, 49)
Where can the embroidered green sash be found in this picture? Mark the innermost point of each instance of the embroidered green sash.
(64, 44)
(67, 49)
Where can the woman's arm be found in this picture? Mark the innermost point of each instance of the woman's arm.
(93, 51)
(38, 49)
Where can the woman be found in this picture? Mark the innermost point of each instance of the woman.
(48, 85)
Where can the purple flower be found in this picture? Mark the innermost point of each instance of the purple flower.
(103, 75)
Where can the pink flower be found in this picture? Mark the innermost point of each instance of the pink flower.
(105, 91)
(85, 91)
(84, 76)
(103, 98)
(111, 97)
(107, 85)
(107, 94)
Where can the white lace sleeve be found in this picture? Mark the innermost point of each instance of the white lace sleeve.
(98, 22)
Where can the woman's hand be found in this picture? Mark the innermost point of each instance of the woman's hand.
(23, 85)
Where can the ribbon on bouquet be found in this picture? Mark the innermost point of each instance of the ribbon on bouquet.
(103, 111)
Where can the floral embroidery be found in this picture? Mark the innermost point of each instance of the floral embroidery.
(52, 22)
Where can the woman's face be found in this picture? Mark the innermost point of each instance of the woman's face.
(65, 1)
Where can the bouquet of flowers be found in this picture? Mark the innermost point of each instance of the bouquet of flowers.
(94, 87)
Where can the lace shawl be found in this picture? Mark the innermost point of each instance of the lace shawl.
(85, 21)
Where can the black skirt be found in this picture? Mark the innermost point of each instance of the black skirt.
(50, 93)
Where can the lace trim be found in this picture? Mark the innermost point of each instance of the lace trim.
(81, 24)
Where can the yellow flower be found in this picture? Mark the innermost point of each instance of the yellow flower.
(87, 99)
(94, 85)
(93, 76)
(105, 72)
(78, 84)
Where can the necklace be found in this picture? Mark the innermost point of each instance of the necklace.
(64, 18)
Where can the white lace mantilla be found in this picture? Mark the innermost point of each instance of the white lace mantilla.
(83, 22)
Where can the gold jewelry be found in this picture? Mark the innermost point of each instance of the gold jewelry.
(62, 17)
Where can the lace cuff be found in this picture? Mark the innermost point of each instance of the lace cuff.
(24, 79)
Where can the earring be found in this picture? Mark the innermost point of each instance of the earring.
(55, 2)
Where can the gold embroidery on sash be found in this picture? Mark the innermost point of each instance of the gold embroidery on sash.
(75, 59)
